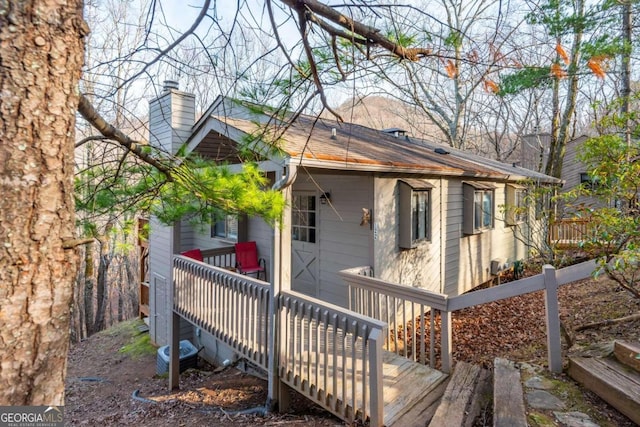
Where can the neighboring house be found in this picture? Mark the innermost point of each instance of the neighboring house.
(421, 214)
(534, 153)
(574, 173)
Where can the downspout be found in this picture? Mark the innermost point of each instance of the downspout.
(290, 173)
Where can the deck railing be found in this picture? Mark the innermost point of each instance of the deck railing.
(224, 257)
(569, 231)
(406, 310)
(232, 307)
(327, 353)
(378, 299)
(332, 356)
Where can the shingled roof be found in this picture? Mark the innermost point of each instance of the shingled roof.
(323, 143)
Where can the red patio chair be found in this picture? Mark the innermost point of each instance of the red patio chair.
(194, 254)
(247, 261)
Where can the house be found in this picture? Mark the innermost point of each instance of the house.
(420, 213)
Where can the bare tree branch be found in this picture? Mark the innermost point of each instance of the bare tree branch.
(371, 34)
(97, 121)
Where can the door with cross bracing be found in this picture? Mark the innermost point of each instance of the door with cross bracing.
(304, 243)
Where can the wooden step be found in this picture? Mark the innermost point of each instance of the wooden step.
(460, 403)
(410, 391)
(614, 382)
(628, 353)
(508, 398)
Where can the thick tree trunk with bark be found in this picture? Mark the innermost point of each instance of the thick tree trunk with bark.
(41, 55)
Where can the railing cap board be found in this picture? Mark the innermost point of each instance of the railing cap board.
(224, 250)
(575, 272)
(417, 295)
(506, 290)
(293, 298)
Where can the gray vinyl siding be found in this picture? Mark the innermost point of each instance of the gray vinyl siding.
(572, 167)
(468, 257)
(160, 251)
(171, 117)
(341, 241)
(418, 267)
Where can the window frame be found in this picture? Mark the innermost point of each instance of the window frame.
(310, 213)
(227, 236)
(516, 204)
(414, 194)
(473, 217)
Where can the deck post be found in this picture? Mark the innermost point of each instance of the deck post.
(280, 281)
(554, 344)
(174, 352)
(446, 344)
(376, 385)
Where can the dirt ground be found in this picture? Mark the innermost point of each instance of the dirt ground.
(105, 370)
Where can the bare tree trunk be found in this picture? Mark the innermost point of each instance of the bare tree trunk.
(133, 283)
(88, 291)
(121, 289)
(627, 37)
(77, 329)
(41, 55)
(102, 286)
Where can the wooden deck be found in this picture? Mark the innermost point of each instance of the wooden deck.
(411, 390)
(326, 372)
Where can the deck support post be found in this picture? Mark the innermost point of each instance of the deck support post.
(376, 385)
(554, 344)
(174, 352)
(280, 281)
(446, 344)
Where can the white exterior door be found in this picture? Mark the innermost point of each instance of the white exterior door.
(304, 243)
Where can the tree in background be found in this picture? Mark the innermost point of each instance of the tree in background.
(613, 166)
(583, 47)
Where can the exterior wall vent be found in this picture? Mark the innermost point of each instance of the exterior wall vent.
(395, 132)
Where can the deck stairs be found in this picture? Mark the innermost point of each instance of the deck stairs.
(615, 377)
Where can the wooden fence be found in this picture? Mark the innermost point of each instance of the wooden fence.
(224, 257)
(333, 355)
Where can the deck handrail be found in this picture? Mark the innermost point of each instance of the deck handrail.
(371, 292)
(224, 256)
(224, 304)
(570, 230)
(397, 305)
(333, 356)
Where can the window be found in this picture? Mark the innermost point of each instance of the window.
(478, 207)
(588, 181)
(304, 218)
(516, 207)
(226, 228)
(415, 212)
